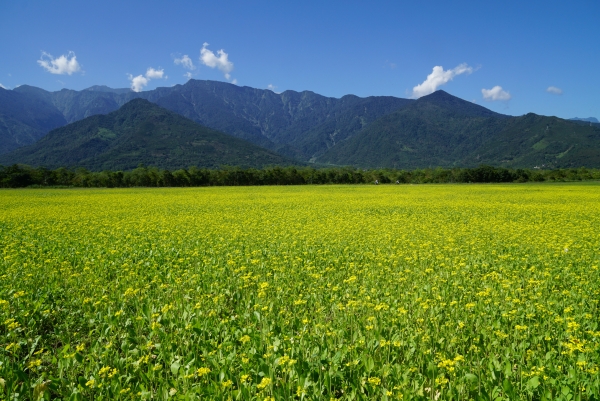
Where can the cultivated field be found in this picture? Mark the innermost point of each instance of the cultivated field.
(315, 293)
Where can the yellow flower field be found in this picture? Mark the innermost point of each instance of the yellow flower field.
(315, 293)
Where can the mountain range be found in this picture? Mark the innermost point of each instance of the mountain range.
(372, 132)
(587, 119)
(443, 130)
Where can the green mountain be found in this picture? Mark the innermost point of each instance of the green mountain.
(24, 119)
(445, 131)
(549, 142)
(140, 132)
(297, 124)
(379, 131)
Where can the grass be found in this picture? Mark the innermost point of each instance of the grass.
(331, 292)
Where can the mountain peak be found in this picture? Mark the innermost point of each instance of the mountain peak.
(104, 88)
(139, 107)
(139, 102)
(195, 82)
(443, 99)
(439, 93)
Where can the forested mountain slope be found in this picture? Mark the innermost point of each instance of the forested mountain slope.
(298, 124)
(24, 119)
(379, 131)
(140, 132)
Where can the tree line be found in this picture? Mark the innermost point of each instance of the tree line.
(19, 176)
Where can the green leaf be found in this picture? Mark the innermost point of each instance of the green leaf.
(471, 377)
(508, 388)
(547, 396)
(507, 370)
(533, 382)
(369, 363)
(175, 367)
(21, 375)
(76, 396)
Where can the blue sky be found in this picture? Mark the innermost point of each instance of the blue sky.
(511, 52)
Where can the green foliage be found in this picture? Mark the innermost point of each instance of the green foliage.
(18, 176)
(435, 293)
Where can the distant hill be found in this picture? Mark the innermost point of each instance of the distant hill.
(140, 132)
(445, 131)
(24, 119)
(588, 119)
(549, 142)
(436, 130)
(104, 88)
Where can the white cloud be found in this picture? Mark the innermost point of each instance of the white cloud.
(138, 83)
(439, 77)
(185, 62)
(208, 58)
(554, 90)
(496, 93)
(3, 87)
(151, 73)
(188, 75)
(61, 65)
(272, 88)
(234, 81)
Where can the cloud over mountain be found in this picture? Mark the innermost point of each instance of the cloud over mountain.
(495, 94)
(65, 64)
(139, 82)
(185, 61)
(209, 59)
(151, 73)
(439, 77)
